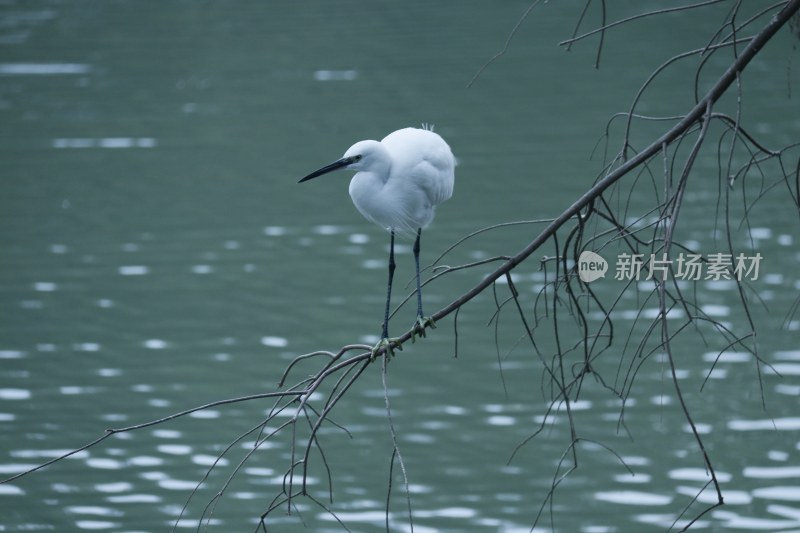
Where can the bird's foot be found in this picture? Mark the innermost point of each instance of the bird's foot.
(387, 345)
(420, 325)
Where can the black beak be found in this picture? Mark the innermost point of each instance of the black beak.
(343, 162)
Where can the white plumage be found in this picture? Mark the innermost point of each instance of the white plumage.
(398, 184)
(402, 178)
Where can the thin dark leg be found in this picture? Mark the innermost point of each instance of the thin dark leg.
(422, 321)
(385, 333)
(416, 264)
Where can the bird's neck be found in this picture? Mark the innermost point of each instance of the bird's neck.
(380, 167)
(365, 185)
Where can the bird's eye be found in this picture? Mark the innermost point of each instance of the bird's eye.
(358, 157)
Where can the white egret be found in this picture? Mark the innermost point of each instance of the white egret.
(399, 182)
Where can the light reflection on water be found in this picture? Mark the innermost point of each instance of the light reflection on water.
(43, 69)
(632, 497)
(106, 142)
(123, 282)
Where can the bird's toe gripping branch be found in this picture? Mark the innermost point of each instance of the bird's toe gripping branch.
(420, 325)
(387, 345)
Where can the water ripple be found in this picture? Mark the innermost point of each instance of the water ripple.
(789, 493)
(275, 342)
(787, 369)
(95, 524)
(155, 344)
(788, 355)
(633, 497)
(175, 449)
(43, 69)
(15, 394)
(119, 486)
(750, 523)
(93, 510)
(177, 484)
(708, 496)
(780, 424)
(274, 231)
(335, 75)
(104, 142)
(771, 472)
(727, 357)
(134, 498)
(11, 490)
(133, 270)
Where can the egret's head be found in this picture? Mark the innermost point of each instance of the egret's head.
(366, 155)
(369, 156)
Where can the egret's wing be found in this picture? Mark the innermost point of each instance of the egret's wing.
(435, 177)
(425, 159)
